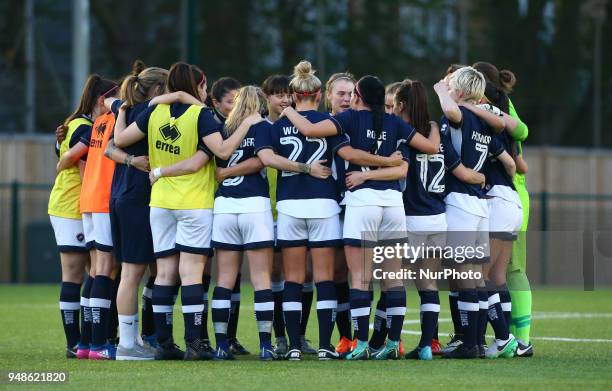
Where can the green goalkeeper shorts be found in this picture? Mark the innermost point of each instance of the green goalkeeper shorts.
(519, 248)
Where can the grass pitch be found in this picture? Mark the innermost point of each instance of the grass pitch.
(572, 337)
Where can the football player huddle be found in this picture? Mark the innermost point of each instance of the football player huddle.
(158, 176)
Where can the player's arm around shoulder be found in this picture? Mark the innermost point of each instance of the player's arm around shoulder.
(224, 149)
(72, 156)
(175, 97)
(184, 167)
(356, 178)
(467, 175)
(429, 145)
(449, 107)
(323, 128)
(248, 167)
(495, 121)
(365, 159)
(127, 135)
(508, 163)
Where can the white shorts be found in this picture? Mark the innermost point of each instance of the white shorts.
(372, 224)
(432, 244)
(468, 235)
(98, 233)
(181, 230)
(88, 229)
(243, 231)
(426, 231)
(68, 234)
(298, 232)
(505, 219)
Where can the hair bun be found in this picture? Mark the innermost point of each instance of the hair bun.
(507, 80)
(303, 69)
(137, 67)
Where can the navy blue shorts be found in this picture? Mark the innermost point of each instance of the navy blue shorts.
(131, 231)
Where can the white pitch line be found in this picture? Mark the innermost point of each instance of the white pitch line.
(535, 315)
(417, 321)
(555, 339)
(29, 305)
(570, 315)
(560, 339)
(541, 315)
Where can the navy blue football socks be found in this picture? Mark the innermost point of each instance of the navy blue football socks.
(205, 288)
(100, 303)
(264, 314)
(396, 311)
(85, 339)
(220, 311)
(232, 326)
(326, 311)
(279, 321)
(192, 306)
(380, 323)
(163, 305)
(292, 311)
(307, 296)
(360, 313)
(467, 304)
(430, 310)
(343, 316)
(483, 308)
(148, 323)
(70, 307)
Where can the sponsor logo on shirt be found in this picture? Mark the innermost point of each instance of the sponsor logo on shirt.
(170, 134)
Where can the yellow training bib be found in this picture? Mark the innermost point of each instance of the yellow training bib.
(271, 173)
(172, 140)
(66, 192)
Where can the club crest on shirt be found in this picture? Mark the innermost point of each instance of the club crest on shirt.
(100, 129)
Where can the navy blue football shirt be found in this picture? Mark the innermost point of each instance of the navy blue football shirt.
(254, 185)
(287, 141)
(357, 125)
(473, 141)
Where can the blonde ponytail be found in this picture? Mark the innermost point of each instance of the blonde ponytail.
(304, 82)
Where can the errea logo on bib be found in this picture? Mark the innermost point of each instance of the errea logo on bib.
(169, 134)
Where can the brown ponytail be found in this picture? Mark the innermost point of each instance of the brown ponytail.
(95, 86)
(507, 80)
(413, 96)
(503, 79)
(137, 67)
(136, 89)
(185, 77)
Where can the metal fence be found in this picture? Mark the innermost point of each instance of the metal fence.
(556, 220)
(21, 205)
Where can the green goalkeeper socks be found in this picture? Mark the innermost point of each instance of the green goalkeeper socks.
(520, 293)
